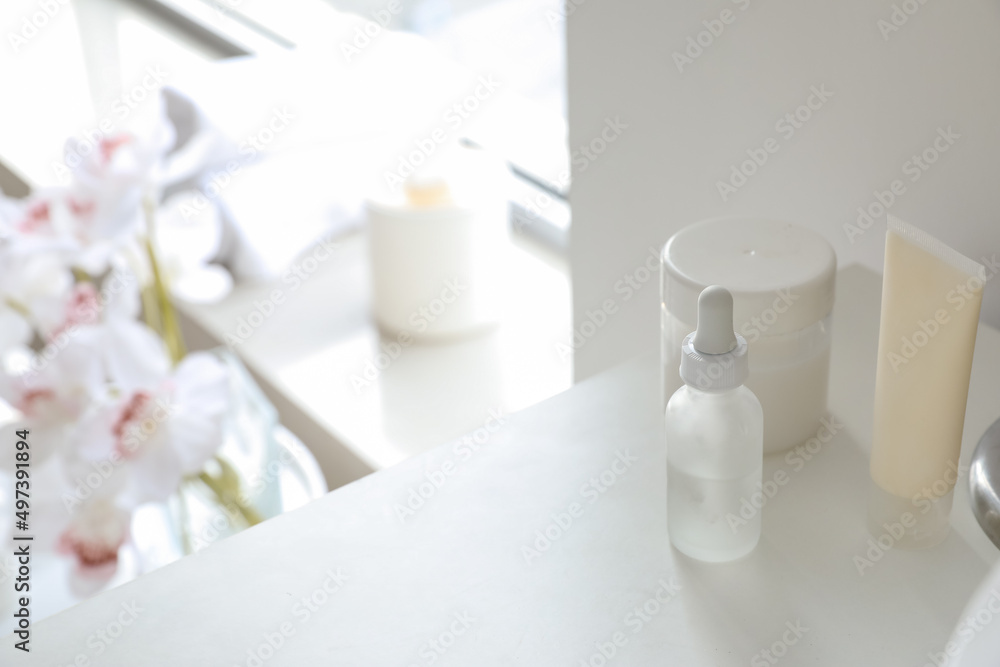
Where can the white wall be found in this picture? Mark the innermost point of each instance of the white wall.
(686, 129)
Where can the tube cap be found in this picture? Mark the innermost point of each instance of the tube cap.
(714, 357)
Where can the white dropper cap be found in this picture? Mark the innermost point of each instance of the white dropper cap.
(714, 357)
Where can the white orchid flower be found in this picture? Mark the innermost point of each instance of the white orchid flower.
(98, 390)
(95, 533)
(160, 431)
(50, 396)
(104, 201)
(30, 273)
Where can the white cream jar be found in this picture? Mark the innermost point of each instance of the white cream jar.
(782, 280)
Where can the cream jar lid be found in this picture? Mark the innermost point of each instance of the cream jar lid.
(777, 271)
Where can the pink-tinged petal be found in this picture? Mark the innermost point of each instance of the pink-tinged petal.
(37, 218)
(57, 387)
(141, 424)
(132, 412)
(81, 207)
(81, 308)
(35, 403)
(95, 534)
(110, 145)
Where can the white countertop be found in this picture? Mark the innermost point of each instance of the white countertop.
(320, 360)
(452, 583)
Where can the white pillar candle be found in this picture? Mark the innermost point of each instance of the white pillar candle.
(438, 256)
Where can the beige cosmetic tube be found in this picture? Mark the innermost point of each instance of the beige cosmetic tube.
(931, 297)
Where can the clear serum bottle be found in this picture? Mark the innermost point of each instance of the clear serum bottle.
(715, 439)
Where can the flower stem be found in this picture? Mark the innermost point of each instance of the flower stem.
(158, 301)
(226, 488)
(185, 521)
(18, 306)
(151, 311)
